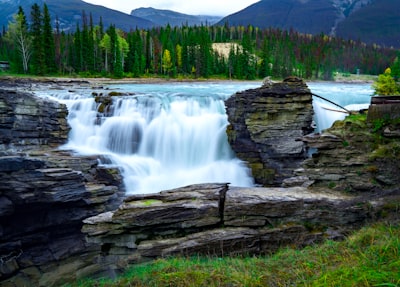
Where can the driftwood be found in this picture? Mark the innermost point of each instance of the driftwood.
(333, 110)
(329, 101)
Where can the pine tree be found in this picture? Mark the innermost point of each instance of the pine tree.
(38, 55)
(395, 67)
(48, 41)
(78, 57)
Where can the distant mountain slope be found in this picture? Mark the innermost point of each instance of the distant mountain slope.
(307, 16)
(164, 17)
(69, 13)
(371, 21)
(377, 23)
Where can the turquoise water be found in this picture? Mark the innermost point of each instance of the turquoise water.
(169, 135)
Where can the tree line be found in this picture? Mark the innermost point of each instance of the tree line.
(37, 47)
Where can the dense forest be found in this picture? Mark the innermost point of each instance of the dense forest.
(33, 46)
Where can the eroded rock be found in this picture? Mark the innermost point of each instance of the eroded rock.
(217, 220)
(265, 127)
(27, 122)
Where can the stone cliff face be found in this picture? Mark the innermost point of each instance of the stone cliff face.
(45, 194)
(218, 220)
(355, 155)
(27, 122)
(266, 125)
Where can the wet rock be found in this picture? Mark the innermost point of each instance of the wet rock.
(265, 127)
(28, 122)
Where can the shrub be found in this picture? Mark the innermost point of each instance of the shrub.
(386, 84)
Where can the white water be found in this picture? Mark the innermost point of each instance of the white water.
(165, 136)
(171, 135)
(353, 97)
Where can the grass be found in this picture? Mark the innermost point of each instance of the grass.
(369, 257)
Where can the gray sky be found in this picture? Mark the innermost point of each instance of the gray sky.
(193, 7)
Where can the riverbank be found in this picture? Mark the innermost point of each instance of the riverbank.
(369, 257)
(10, 80)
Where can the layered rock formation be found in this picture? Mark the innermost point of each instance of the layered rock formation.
(355, 155)
(266, 127)
(27, 122)
(45, 194)
(218, 220)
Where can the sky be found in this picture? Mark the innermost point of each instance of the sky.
(192, 7)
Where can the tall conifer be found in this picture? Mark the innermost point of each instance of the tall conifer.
(48, 41)
(38, 57)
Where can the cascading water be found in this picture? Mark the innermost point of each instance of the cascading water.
(161, 139)
(167, 136)
(353, 97)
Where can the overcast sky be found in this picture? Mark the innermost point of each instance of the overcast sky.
(193, 7)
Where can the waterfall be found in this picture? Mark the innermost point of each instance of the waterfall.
(159, 140)
(171, 135)
(353, 97)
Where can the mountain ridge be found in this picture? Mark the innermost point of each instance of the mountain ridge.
(69, 13)
(164, 17)
(371, 21)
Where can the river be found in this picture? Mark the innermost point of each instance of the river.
(168, 135)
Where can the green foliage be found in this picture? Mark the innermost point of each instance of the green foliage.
(389, 150)
(255, 53)
(166, 61)
(386, 85)
(370, 257)
(48, 42)
(38, 56)
(18, 36)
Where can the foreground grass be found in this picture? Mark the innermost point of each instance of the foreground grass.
(369, 257)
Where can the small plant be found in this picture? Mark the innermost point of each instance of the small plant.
(386, 84)
(331, 185)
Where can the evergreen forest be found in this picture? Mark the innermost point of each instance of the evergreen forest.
(32, 45)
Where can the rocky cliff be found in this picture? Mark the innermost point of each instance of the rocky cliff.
(355, 155)
(266, 127)
(27, 122)
(45, 194)
(218, 220)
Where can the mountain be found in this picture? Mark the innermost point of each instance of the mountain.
(371, 21)
(165, 17)
(69, 13)
(313, 16)
(378, 23)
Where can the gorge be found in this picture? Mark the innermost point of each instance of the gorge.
(67, 214)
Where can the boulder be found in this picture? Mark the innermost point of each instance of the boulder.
(266, 126)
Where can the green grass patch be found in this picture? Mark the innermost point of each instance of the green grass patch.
(369, 257)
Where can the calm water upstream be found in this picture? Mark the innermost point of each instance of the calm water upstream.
(173, 134)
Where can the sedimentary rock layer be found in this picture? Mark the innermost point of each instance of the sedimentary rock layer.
(265, 127)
